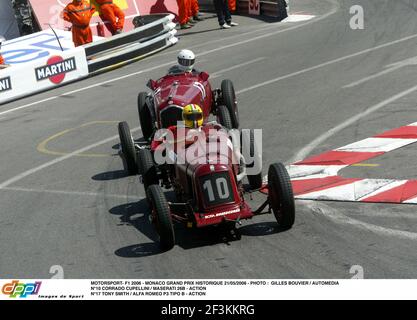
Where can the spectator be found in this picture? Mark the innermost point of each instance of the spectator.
(183, 12)
(111, 13)
(79, 13)
(2, 64)
(223, 14)
(193, 12)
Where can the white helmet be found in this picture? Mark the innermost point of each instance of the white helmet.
(186, 59)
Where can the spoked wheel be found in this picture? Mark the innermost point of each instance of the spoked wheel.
(147, 168)
(281, 198)
(282, 10)
(128, 147)
(253, 158)
(145, 117)
(229, 99)
(223, 117)
(161, 216)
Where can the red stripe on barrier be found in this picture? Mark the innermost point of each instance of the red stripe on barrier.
(406, 132)
(395, 195)
(338, 158)
(318, 184)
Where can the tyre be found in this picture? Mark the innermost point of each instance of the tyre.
(229, 100)
(145, 117)
(223, 117)
(147, 168)
(281, 196)
(161, 216)
(128, 148)
(282, 10)
(253, 159)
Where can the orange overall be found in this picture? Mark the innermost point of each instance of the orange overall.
(193, 8)
(1, 60)
(112, 14)
(232, 5)
(183, 11)
(79, 13)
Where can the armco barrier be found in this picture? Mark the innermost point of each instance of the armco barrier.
(156, 33)
(50, 68)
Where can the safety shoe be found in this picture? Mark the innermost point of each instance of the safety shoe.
(198, 18)
(185, 26)
(192, 21)
(225, 26)
(232, 24)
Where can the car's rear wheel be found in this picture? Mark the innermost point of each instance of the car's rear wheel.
(161, 215)
(280, 195)
(145, 117)
(128, 147)
(250, 151)
(147, 168)
(223, 117)
(229, 100)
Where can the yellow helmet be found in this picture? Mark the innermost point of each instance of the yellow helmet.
(192, 114)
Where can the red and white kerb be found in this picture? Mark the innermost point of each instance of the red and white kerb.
(315, 178)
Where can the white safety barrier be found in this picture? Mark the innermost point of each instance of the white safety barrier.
(42, 74)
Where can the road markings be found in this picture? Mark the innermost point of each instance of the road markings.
(337, 216)
(390, 68)
(325, 64)
(372, 165)
(220, 73)
(304, 152)
(42, 147)
(72, 193)
(58, 160)
(315, 178)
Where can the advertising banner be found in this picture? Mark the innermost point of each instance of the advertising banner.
(42, 72)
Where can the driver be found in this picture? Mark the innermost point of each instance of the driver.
(192, 116)
(186, 60)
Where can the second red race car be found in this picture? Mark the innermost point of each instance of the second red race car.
(183, 85)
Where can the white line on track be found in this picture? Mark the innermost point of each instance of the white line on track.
(71, 193)
(327, 63)
(57, 160)
(255, 38)
(334, 214)
(220, 73)
(305, 151)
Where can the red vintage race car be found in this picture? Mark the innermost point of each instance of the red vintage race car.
(209, 187)
(163, 106)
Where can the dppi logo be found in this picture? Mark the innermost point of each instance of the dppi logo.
(55, 69)
(15, 289)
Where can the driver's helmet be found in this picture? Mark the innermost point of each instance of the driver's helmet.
(192, 115)
(186, 59)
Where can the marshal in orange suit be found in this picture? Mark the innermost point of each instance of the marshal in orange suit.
(112, 14)
(79, 13)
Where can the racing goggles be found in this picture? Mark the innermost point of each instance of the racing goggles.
(186, 62)
(195, 116)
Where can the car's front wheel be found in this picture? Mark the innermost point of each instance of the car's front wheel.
(229, 100)
(161, 215)
(280, 195)
(128, 147)
(145, 117)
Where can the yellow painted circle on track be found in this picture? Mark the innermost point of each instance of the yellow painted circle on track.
(42, 147)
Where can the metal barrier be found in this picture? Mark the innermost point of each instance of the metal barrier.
(156, 33)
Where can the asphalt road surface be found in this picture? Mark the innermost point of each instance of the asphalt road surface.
(65, 199)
